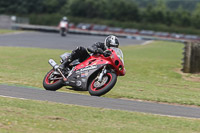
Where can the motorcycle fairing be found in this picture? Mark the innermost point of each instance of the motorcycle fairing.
(82, 72)
(79, 78)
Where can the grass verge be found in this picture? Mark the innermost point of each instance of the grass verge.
(19, 116)
(2, 31)
(151, 72)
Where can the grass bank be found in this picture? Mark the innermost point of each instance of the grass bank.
(2, 31)
(151, 72)
(19, 116)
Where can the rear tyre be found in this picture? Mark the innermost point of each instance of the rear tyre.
(110, 79)
(52, 85)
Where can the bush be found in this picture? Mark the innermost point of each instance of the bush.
(45, 19)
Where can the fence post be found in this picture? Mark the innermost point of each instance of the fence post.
(195, 58)
(191, 60)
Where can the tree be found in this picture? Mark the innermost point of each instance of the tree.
(112, 9)
(181, 17)
(196, 17)
(160, 11)
(52, 6)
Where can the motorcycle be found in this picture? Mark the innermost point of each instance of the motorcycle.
(97, 74)
(63, 26)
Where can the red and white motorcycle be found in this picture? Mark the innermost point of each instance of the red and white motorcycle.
(97, 74)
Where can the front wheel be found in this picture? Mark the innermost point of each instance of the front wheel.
(63, 32)
(97, 89)
(52, 81)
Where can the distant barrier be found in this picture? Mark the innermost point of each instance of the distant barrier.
(34, 27)
(89, 32)
(191, 60)
(5, 22)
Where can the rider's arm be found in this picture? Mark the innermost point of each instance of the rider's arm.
(94, 48)
(100, 45)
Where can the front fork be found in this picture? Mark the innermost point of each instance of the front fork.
(100, 77)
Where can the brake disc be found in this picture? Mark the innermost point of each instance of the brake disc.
(98, 84)
(54, 76)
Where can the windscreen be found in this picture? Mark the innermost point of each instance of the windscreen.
(119, 54)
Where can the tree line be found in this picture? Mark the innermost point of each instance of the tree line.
(171, 4)
(142, 12)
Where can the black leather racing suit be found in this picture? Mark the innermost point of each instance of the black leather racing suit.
(81, 53)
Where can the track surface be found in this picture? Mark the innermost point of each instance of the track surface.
(92, 101)
(54, 41)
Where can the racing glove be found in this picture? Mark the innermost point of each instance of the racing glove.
(107, 53)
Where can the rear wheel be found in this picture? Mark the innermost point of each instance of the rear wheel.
(97, 89)
(52, 81)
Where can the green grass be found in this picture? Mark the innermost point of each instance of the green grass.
(18, 116)
(151, 72)
(151, 75)
(2, 31)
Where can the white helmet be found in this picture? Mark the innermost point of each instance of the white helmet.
(64, 18)
(111, 41)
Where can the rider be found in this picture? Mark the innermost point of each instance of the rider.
(63, 23)
(99, 47)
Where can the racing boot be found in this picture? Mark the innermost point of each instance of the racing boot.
(79, 53)
(65, 64)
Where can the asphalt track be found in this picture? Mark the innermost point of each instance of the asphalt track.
(54, 41)
(100, 102)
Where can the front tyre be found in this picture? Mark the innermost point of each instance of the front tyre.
(97, 89)
(63, 32)
(52, 82)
